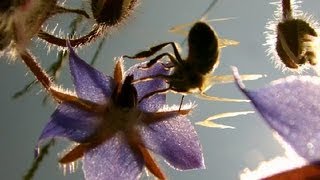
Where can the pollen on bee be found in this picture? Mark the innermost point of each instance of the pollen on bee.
(292, 38)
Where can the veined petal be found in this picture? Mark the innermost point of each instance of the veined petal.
(154, 102)
(176, 140)
(291, 107)
(70, 122)
(90, 84)
(112, 160)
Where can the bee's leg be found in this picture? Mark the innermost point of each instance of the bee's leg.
(167, 66)
(149, 78)
(154, 49)
(160, 56)
(181, 102)
(60, 9)
(176, 53)
(160, 91)
(148, 53)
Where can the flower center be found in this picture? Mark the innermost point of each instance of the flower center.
(123, 113)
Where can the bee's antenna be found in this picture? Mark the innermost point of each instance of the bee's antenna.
(181, 102)
(204, 14)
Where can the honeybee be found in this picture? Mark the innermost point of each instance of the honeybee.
(107, 14)
(193, 74)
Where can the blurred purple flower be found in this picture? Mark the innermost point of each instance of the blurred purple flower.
(291, 106)
(115, 137)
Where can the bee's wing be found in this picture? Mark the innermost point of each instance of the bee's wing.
(214, 98)
(208, 122)
(229, 78)
(183, 29)
(227, 42)
(211, 80)
(213, 125)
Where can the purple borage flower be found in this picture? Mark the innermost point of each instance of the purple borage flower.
(291, 107)
(115, 137)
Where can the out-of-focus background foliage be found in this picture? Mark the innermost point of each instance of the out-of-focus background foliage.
(227, 152)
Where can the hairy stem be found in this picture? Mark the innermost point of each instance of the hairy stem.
(286, 9)
(36, 69)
